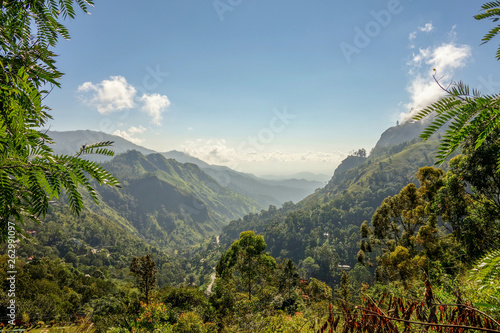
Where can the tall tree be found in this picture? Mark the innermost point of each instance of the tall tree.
(246, 257)
(30, 173)
(144, 270)
(405, 229)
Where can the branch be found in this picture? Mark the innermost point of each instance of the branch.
(376, 314)
(425, 324)
(447, 88)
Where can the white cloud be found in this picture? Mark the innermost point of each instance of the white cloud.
(442, 60)
(428, 27)
(136, 130)
(116, 94)
(128, 135)
(449, 57)
(219, 152)
(155, 105)
(109, 95)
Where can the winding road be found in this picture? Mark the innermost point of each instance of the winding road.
(212, 277)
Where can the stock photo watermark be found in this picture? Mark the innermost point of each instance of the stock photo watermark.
(266, 135)
(363, 36)
(11, 273)
(488, 84)
(252, 144)
(153, 78)
(224, 6)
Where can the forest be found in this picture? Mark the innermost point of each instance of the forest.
(405, 238)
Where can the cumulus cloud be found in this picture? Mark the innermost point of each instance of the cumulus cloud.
(442, 60)
(155, 105)
(115, 94)
(110, 95)
(129, 134)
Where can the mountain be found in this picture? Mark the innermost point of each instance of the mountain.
(185, 158)
(264, 191)
(321, 232)
(68, 142)
(407, 131)
(402, 133)
(171, 203)
(301, 175)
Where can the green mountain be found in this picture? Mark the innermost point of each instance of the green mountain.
(163, 207)
(68, 142)
(264, 191)
(321, 233)
(169, 203)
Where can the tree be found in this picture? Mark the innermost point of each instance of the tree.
(288, 277)
(344, 293)
(144, 270)
(405, 229)
(30, 173)
(246, 256)
(470, 199)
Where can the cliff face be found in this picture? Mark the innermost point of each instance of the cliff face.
(406, 132)
(399, 134)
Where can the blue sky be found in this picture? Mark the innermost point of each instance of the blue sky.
(276, 86)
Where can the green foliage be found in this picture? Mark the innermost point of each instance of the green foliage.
(30, 173)
(187, 299)
(190, 322)
(250, 287)
(486, 271)
(144, 270)
(154, 317)
(405, 234)
(49, 289)
(247, 258)
(285, 323)
(344, 292)
(491, 10)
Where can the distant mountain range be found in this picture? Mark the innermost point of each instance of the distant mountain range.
(264, 191)
(301, 175)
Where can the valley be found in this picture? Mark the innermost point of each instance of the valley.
(176, 169)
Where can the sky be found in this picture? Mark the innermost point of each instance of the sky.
(267, 87)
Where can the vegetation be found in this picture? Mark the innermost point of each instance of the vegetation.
(30, 173)
(170, 204)
(144, 270)
(428, 254)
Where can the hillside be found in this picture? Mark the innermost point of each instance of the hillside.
(264, 191)
(170, 203)
(68, 142)
(322, 231)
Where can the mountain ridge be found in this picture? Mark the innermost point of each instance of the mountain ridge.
(266, 192)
